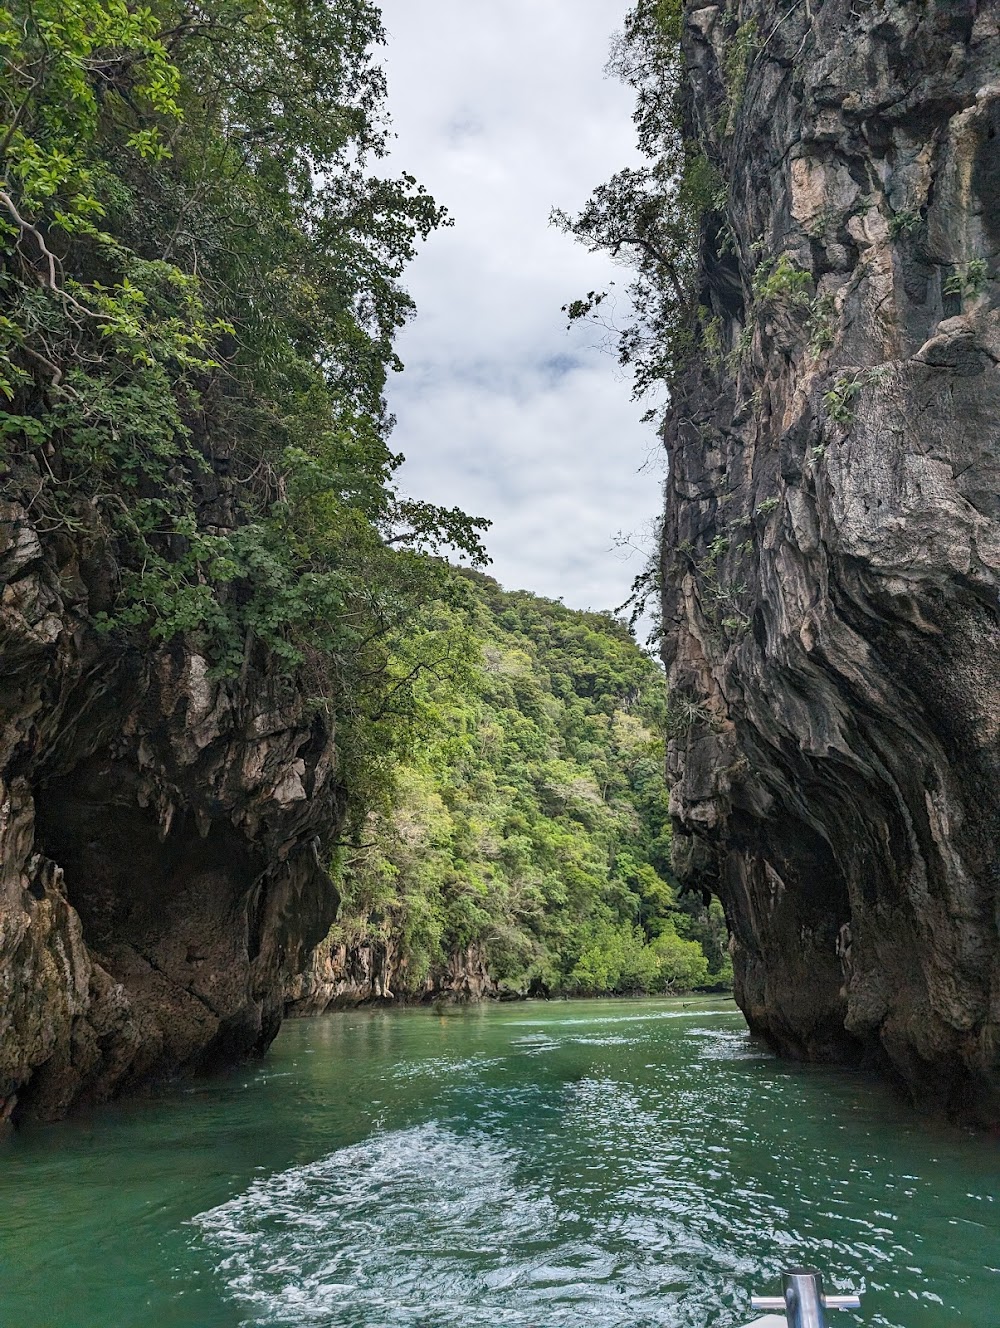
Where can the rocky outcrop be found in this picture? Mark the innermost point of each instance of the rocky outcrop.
(160, 875)
(831, 553)
(370, 972)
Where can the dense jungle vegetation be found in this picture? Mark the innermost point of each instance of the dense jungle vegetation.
(200, 264)
(530, 819)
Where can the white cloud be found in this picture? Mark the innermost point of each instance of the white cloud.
(502, 110)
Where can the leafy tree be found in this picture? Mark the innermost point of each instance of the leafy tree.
(199, 289)
(649, 217)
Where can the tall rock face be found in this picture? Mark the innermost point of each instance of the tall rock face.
(160, 880)
(831, 552)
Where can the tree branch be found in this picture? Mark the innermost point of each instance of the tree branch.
(51, 261)
(28, 229)
(656, 254)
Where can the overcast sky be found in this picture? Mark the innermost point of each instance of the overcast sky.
(502, 110)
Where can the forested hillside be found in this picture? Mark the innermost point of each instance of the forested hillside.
(527, 831)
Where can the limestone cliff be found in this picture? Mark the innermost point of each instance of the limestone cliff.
(831, 551)
(160, 879)
(375, 972)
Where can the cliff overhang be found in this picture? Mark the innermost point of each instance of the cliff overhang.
(161, 879)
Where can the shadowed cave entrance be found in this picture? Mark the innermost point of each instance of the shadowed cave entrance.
(789, 907)
(165, 915)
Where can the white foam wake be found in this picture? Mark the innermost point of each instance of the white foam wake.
(418, 1226)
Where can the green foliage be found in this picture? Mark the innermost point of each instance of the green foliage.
(530, 818)
(819, 224)
(740, 50)
(711, 336)
(668, 16)
(820, 323)
(839, 399)
(742, 348)
(650, 216)
(198, 301)
(702, 189)
(977, 273)
(64, 62)
(622, 960)
(683, 715)
(780, 280)
(721, 597)
(969, 281)
(907, 221)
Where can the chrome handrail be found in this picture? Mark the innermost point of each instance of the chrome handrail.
(803, 1300)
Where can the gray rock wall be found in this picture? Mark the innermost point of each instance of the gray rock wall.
(376, 972)
(160, 876)
(831, 551)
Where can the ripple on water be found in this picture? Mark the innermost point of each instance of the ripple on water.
(442, 1067)
(427, 1226)
(390, 1231)
(605, 1189)
(726, 1044)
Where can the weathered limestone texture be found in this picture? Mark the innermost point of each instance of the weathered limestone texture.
(375, 973)
(831, 552)
(160, 880)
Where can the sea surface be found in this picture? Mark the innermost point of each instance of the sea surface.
(587, 1164)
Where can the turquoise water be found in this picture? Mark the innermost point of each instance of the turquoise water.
(599, 1163)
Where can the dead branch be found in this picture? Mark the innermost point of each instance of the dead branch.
(28, 229)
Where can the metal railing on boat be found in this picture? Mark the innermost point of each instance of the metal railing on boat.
(802, 1304)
